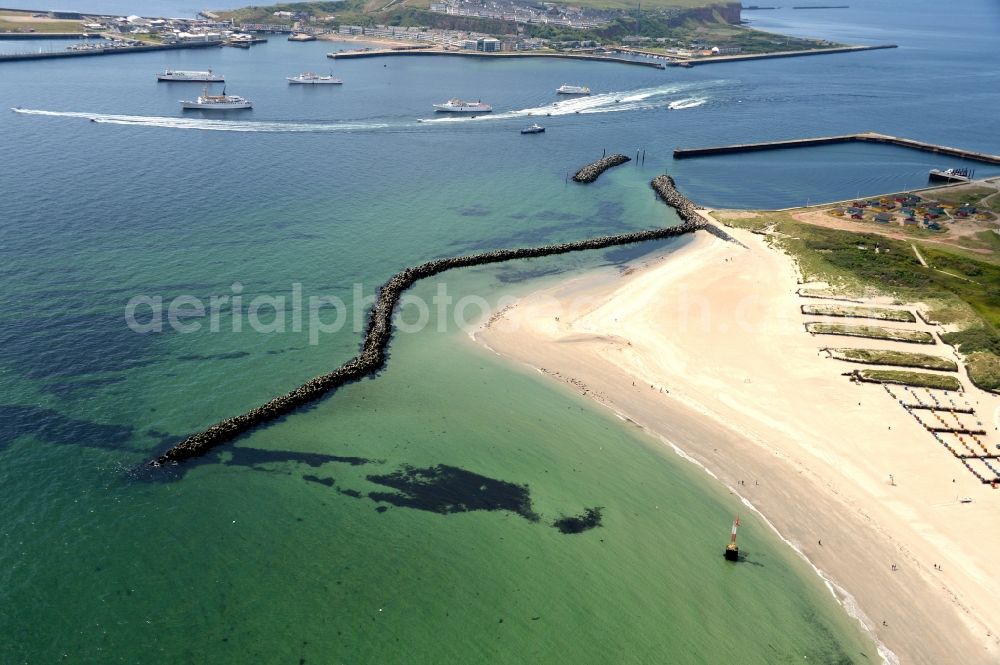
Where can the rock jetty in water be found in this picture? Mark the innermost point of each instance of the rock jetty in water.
(591, 172)
(379, 330)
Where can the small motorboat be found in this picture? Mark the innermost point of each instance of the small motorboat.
(533, 129)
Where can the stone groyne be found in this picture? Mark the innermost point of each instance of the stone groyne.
(379, 329)
(666, 189)
(593, 171)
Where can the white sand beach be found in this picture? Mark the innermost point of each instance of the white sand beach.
(705, 349)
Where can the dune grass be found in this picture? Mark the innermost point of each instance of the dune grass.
(895, 359)
(872, 332)
(915, 379)
(880, 313)
(984, 370)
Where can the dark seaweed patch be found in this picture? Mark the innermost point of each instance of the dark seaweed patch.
(68, 389)
(513, 276)
(65, 345)
(252, 458)
(555, 216)
(53, 427)
(322, 481)
(255, 456)
(590, 518)
(217, 356)
(474, 211)
(624, 254)
(447, 489)
(609, 212)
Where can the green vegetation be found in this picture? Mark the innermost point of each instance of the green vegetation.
(895, 358)
(975, 338)
(984, 240)
(968, 297)
(858, 263)
(40, 26)
(960, 195)
(975, 282)
(984, 370)
(265, 14)
(981, 346)
(880, 313)
(872, 332)
(671, 23)
(626, 5)
(915, 379)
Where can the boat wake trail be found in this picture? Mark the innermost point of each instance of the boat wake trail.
(211, 125)
(643, 99)
(688, 103)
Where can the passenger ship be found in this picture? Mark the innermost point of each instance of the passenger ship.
(458, 106)
(221, 102)
(308, 78)
(207, 76)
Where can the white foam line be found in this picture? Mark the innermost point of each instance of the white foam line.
(845, 599)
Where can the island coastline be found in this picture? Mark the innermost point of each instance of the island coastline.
(869, 541)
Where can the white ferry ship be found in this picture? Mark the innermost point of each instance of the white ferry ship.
(308, 78)
(207, 76)
(221, 102)
(458, 106)
(567, 89)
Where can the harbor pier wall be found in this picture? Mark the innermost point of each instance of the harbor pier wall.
(865, 137)
(46, 55)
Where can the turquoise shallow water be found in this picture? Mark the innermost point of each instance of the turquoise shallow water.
(275, 550)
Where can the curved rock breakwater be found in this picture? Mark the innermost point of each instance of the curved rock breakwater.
(591, 172)
(666, 189)
(379, 329)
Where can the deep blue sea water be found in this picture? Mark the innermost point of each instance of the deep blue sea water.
(272, 551)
